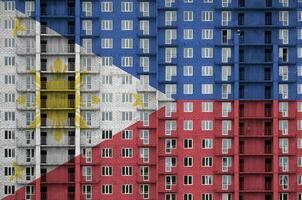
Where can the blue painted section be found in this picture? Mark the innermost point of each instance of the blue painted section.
(254, 82)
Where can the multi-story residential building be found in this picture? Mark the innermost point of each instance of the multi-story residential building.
(144, 99)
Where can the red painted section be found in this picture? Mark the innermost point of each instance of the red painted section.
(255, 147)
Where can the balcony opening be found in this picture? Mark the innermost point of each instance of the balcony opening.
(43, 101)
(71, 153)
(44, 64)
(268, 197)
(43, 156)
(43, 192)
(240, 18)
(241, 183)
(241, 55)
(267, 92)
(241, 91)
(268, 110)
(268, 165)
(43, 27)
(71, 174)
(241, 165)
(43, 46)
(43, 175)
(241, 3)
(241, 197)
(71, 82)
(241, 36)
(71, 64)
(71, 46)
(267, 74)
(241, 110)
(43, 138)
(43, 119)
(268, 3)
(268, 37)
(241, 128)
(71, 193)
(70, 8)
(225, 36)
(71, 138)
(268, 128)
(70, 28)
(43, 9)
(268, 55)
(268, 18)
(241, 147)
(268, 182)
(268, 146)
(71, 117)
(71, 98)
(241, 74)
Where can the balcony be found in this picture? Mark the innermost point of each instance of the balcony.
(62, 49)
(68, 12)
(23, 50)
(49, 123)
(57, 85)
(59, 104)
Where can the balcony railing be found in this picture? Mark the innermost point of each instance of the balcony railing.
(58, 85)
(64, 48)
(63, 103)
(68, 122)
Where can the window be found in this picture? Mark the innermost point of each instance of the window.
(206, 125)
(207, 196)
(126, 171)
(188, 143)
(87, 173)
(126, 189)
(9, 152)
(226, 18)
(188, 107)
(188, 70)
(206, 180)
(283, 17)
(127, 25)
(207, 144)
(188, 180)
(126, 153)
(188, 52)
(126, 61)
(9, 24)
(206, 162)
(206, 88)
(9, 5)
(107, 43)
(9, 42)
(9, 134)
(9, 116)
(106, 6)
(9, 189)
(207, 71)
(207, 52)
(106, 134)
(188, 88)
(106, 153)
(106, 171)
(87, 27)
(106, 189)
(126, 6)
(188, 34)
(188, 125)
(87, 8)
(106, 116)
(207, 16)
(127, 134)
(9, 60)
(144, 136)
(127, 43)
(188, 161)
(188, 15)
(226, 145)
(207, 106)
(207, 34)
(106, 25)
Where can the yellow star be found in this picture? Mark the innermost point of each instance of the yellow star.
(18, 172)
(18, 27)
(137, 100)
(95, 99)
